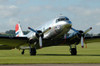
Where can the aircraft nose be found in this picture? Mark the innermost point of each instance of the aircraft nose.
(68, 23)
(65, 23)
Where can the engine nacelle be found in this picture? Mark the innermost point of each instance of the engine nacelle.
(39, 34)
(75, 37)
(81, 33)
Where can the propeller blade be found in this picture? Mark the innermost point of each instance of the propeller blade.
(75, 30)
(82, 41)
(32, 30)
(40, 41)
(87, 30)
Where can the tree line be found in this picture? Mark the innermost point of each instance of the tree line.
(12, 33)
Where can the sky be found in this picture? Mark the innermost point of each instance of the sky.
(34, 13)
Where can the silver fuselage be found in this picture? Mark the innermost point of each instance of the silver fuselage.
(53, 29)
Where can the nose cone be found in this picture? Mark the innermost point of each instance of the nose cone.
(63, 26)
(66, 23)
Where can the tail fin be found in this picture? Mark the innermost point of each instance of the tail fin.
(18, 31)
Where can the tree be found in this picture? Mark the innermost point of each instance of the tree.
(99, 34)
(25, 32)
(12, 32)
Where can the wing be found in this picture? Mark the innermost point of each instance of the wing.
(92, 39)
(13, 41)
(69, 41)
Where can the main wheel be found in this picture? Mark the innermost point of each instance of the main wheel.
(73, 51)
(23, 52)
(33, 51)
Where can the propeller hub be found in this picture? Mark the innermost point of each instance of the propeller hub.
(39, 34)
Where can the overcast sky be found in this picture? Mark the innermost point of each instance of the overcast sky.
(33, 13)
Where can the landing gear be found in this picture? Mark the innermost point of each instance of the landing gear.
(73, 50)
(23, 52)
(32, 51)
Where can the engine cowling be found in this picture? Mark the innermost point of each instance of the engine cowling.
(40, 33)
(81, 33)
(75, 37)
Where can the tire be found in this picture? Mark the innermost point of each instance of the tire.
(33, 51)
(73, 51)
(23, 52)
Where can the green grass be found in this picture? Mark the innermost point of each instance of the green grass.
(55, 54)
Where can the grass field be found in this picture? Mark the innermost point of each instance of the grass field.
(55, 54)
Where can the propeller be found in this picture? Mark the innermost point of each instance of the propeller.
(82, 41)
(87, 30)
(40, 41)
(82, 35)
(40, 36)
(32, 30)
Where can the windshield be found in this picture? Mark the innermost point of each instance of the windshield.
(62, 19)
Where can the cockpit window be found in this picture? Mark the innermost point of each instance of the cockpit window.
(67, 19)
(62, 19)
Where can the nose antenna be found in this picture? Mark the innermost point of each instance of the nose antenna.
(60, 14)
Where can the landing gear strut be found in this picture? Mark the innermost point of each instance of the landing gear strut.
(32, 49)
(73, 50)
